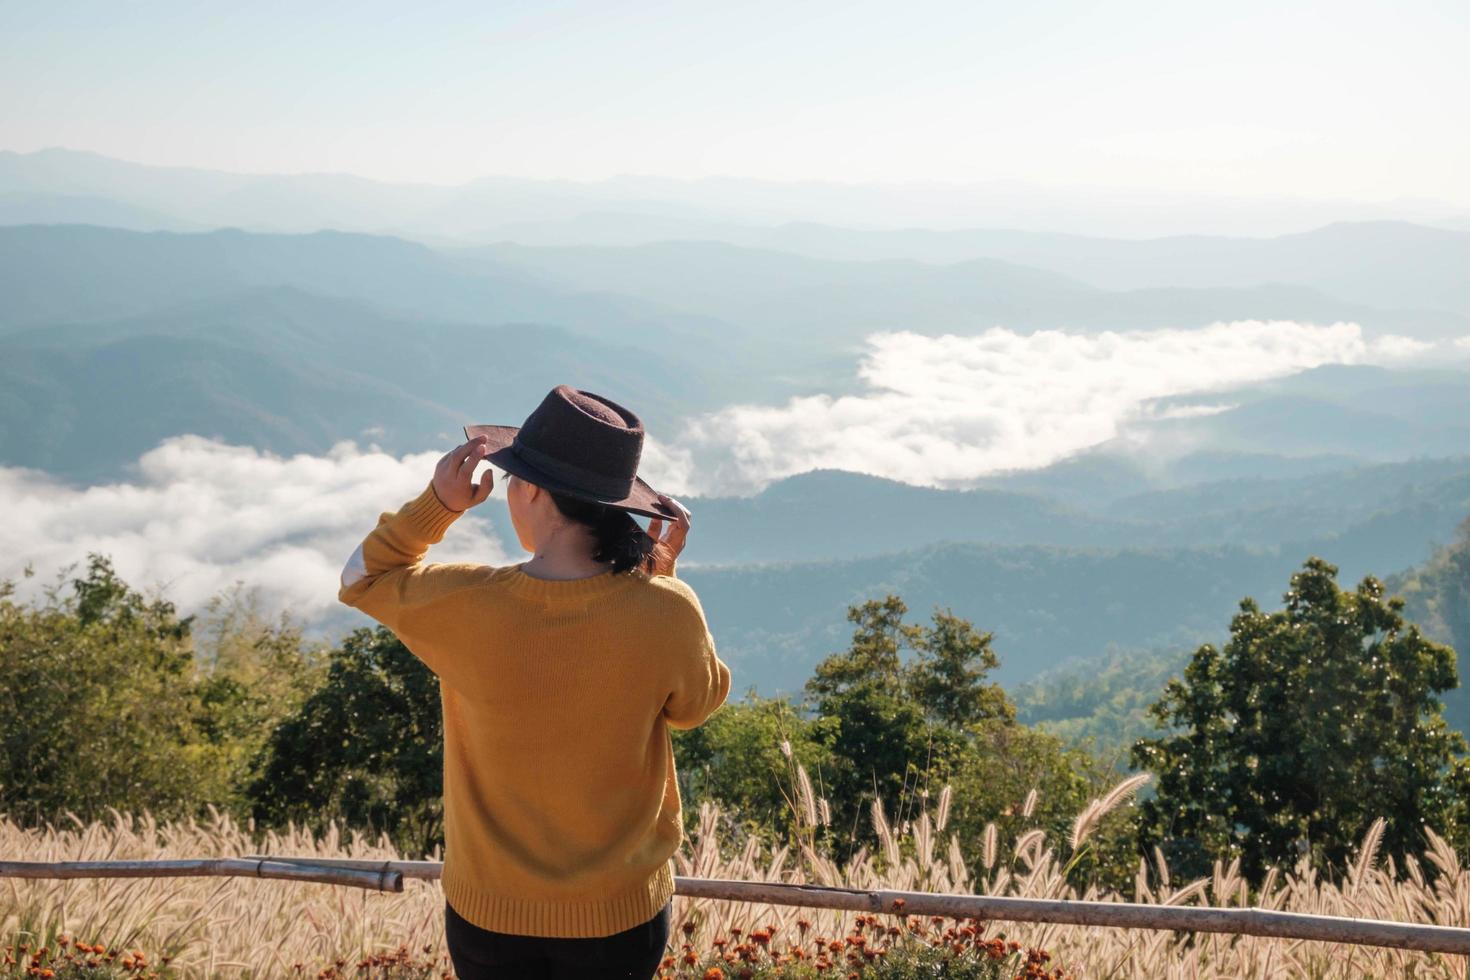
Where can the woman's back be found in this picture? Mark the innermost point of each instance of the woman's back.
(561, 802)
(560, 798)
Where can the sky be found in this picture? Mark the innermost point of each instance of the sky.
(1362, 101)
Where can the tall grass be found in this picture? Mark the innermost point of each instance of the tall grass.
(257, 928)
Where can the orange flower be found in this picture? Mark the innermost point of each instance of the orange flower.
(714, 973)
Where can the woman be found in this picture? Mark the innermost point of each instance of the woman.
(559, 678)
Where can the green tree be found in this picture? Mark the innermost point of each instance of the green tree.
(99, 704)
(948, 678)
(366, 748)
(253, 674)
(881, 738)
(902, 730)
(736, 755)
(1310, 723)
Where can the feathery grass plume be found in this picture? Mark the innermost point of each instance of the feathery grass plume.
(1196, 887)
(786, 748)
(778, 861)
(825, 809)
(1267, 885)
(1161, 867)
(1367, 851)
(924, 841)
(1029, 807)
(1442, 854)
(958, 873)
(945, 796)
(827, 872)
(1225, 881)
(1082, 825)
(1093, 813)
(989, 845)
(1415, 871)
(1028, 846)
(808, 798)
(885, 834)
(1123, 790)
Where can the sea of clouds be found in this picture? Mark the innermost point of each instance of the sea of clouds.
(941, 411)
(938, 411)
(203, 515)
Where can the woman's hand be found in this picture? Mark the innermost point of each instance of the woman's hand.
(673, 541)
(452, 483)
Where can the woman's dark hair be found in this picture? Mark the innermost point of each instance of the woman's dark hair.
(619, 538)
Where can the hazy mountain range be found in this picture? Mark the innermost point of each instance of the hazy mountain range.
(114, 338)
(67, 185)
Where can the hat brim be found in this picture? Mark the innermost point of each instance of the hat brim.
(642, 499)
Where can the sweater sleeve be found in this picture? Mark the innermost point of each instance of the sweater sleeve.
(701, 678)
(387, 579)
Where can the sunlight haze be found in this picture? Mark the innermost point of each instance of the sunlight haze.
(1356, 100)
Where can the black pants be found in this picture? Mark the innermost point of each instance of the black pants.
(480, 954)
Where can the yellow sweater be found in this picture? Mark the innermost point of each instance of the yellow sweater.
(561, 807)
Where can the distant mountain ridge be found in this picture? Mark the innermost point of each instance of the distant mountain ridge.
(1375, 263)
(777, 293)
(288, 371)
(496, 208)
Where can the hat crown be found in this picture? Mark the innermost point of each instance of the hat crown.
(584, 440)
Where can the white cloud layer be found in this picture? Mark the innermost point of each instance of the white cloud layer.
(941, 411)
(944, 410)
(204, 515)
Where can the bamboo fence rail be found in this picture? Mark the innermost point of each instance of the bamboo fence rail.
(389, 875)
(291, 869)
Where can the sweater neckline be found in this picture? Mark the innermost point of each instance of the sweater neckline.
(592, 585)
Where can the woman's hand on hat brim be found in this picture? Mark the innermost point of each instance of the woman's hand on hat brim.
(673, 539)
(454, 475)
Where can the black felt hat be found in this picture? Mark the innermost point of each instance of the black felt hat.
(579, 444)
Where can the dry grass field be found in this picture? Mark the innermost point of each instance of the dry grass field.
(255, 928)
